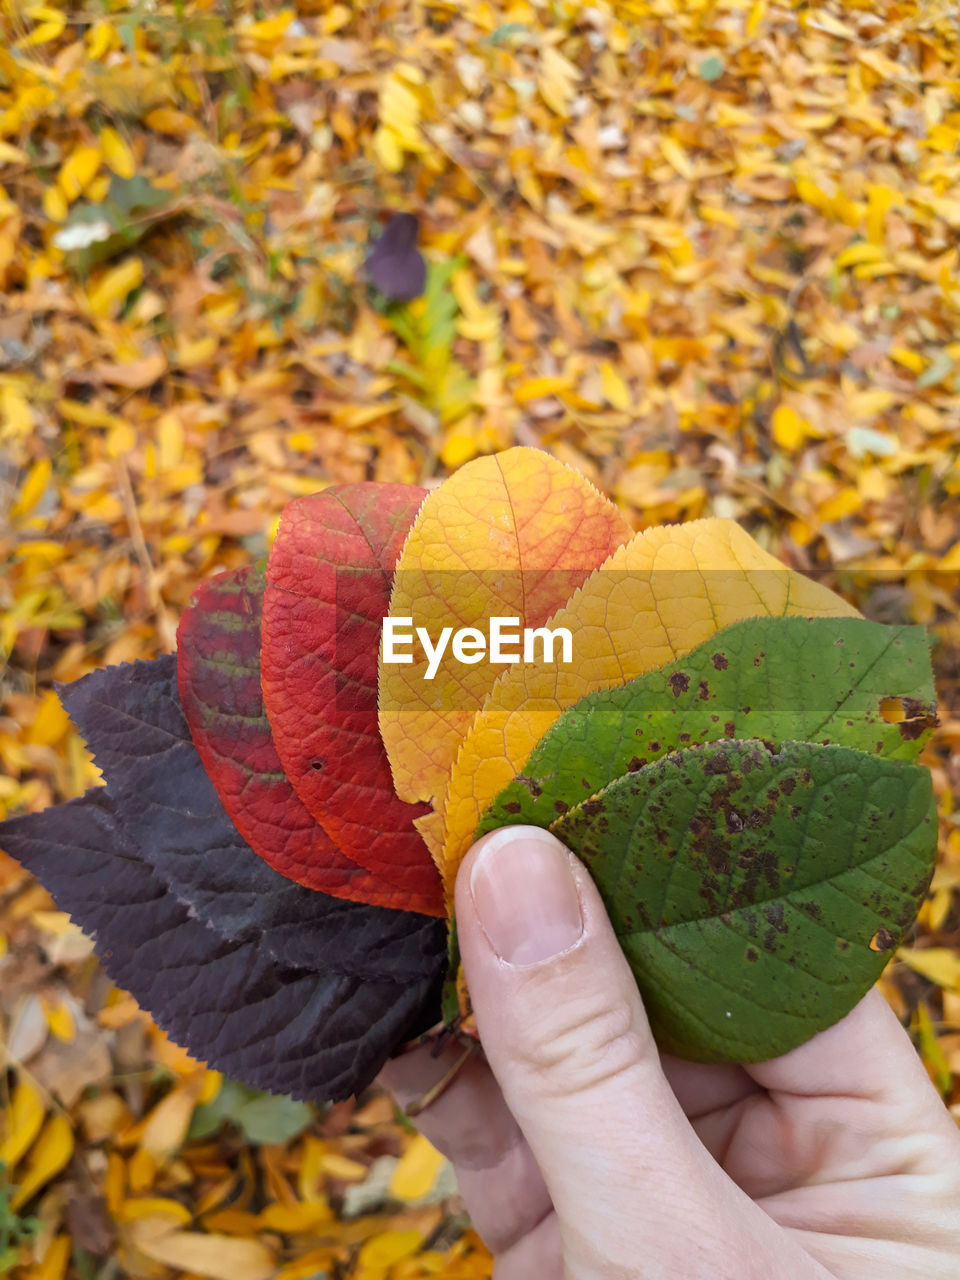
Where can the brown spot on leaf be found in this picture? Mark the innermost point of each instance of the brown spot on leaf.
(752, 955)
(531, 784)
(679, 682)
(883, 940)
(773, 913)
(560, 806)
(513, 806)
(704, 691)
(720, 662)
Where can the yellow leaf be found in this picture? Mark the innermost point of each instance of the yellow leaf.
(615, 390)
(101, 38)
(758, 12)
(116, 153)
(191, 355)
(33, 488)
(24, 1119)
(665, 592)
(54, 204)
(114, 287)
(79, 169)
(166, 1128)
(270, 29)
(50, 1154)
(911, 360)
(50, 722)
(389, 152)
(216, 1256)
(338, 1166)
(510, 535)
(387, 1248)
(44, 33)
(55, 1260)
(60, 1021)
(290, 1218)
(417, 1171)
(16, 417)
(9, 154)
(170, 441)
(169, 120)
(789, 429)
(677, 157)
(557, 81)
(858, 253)
(940, 964)
(535, 388)
(845, 503)
(153, 1206)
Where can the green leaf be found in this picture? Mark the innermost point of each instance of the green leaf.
(781, 679)
(262, 1117)
(711, 69)
(267, 1118)
(757, 894)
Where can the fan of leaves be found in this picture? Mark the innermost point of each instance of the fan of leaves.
(731, 753)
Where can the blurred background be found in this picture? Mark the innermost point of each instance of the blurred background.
(706, 252)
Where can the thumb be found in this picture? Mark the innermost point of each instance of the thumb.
(565, 1033)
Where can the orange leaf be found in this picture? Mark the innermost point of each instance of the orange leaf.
(512, 535)
(658, 597)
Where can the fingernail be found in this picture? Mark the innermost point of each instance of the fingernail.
(525, 895)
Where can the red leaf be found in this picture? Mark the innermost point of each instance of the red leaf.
(218, 675)
(328, 588)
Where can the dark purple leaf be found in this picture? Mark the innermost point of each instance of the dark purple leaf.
(132, 720)
(274, 984)
(394, 265)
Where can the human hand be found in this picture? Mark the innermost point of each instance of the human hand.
(581, 1152)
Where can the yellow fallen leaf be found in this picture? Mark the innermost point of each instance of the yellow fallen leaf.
(78, 170)
(417, 1170)
(665, 592)
(9, 154)
(677, 157)
(166, 1127)
(291, 1218)
(50, 1154)
(24, 1119)
(33, 488)
(511, 535)
(60, 1021)
(615, 390)
(789, 429)
(388, 1247)
(153, 1206)
(557, 81)
(16, 417)
(53, 1266)
(219, 1257)
(114, 287)
(44, 33)
(50, 722)
(116, 153)
(940, 964)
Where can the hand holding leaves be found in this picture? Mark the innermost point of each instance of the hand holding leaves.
(730, 752)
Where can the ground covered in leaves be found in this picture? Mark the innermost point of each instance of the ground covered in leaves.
(706, 252)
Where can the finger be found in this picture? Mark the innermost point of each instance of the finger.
(866, 1055)
(702, 1089)
(855, 1102)
(566, 1035)
(470, 1124)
